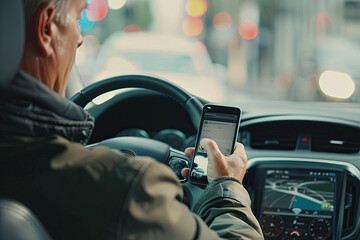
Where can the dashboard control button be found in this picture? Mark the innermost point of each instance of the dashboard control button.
(295, 233)
(177, 164)
(320, 229)
(272, 225)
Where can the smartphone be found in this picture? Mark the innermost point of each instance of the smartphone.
(220, 124)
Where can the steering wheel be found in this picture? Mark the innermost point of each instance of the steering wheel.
(137, 146)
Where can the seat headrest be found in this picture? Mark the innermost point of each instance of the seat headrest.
(12, 36)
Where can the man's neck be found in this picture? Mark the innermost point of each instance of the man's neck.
(41, 69)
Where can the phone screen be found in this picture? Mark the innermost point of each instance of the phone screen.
(221, 125)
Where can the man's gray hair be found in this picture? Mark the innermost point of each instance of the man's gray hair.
(31, 6)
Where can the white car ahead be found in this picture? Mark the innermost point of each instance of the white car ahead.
(180, 60)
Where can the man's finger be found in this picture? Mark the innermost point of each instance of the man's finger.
(239, 147)
(240, 151)
(189, 152)
(185, 172)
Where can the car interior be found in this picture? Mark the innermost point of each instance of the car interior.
(303, 172)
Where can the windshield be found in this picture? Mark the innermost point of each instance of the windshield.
(270, 49)
(153, 62)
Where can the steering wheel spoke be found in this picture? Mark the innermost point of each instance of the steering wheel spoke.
(138, 146)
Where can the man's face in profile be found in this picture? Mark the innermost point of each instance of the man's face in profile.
(67, 39)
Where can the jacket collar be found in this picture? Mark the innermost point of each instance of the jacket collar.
(30, 108)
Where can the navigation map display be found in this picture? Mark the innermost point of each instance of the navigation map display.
(312, 191)
(298, 203)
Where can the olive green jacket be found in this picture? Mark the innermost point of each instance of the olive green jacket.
(79, 193)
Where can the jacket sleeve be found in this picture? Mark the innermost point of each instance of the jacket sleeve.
(154, 209)
(226, 208)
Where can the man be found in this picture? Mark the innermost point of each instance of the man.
(79, 193)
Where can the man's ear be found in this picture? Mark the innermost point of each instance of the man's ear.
(44, 32)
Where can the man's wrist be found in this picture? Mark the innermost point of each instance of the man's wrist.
(222, 179)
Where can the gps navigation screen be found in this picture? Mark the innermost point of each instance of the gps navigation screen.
(298, 203)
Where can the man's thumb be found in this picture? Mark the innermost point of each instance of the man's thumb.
(210, 147)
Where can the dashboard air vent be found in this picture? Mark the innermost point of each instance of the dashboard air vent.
(273, 140)
(350, 206)
(323, 143)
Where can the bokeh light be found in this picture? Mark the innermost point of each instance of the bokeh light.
(248, 30)
(96, 10)
(85, 24)
(283, 82)
(222, 21)
(336, 84)
(132, 28)
(116, 4)
(322, 23)
(196, 8)
(192, 26)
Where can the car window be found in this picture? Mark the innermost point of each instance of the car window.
(279, 49)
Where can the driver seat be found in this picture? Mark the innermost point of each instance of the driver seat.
(17, 222)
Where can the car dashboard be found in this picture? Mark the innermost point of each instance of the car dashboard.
(303, 164)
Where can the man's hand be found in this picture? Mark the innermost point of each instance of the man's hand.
(219, 165)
